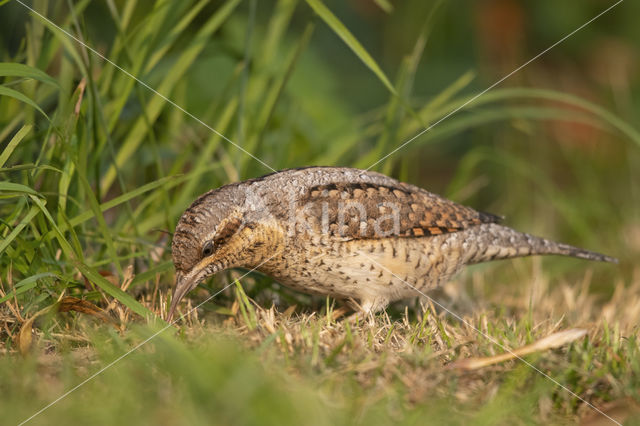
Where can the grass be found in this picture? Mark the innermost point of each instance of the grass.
(96, 171)
(251, 365)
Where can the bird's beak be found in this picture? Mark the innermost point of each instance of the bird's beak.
(183, 286)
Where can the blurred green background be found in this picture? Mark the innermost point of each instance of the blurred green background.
(94, 182)
(553, 148)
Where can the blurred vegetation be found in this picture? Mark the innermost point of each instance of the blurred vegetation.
(96, 168)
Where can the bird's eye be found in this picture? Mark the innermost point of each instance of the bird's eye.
(207, 250)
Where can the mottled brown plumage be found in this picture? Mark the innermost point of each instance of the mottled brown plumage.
(344, 232)
(420, 213)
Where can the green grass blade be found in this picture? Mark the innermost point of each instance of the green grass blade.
(64, 244)
(448, 93)
(173, 35)
(404, 85)
(598, 111)
(11, 69)
(426, 113)
(9, 127)
(68, 43)
(155, 24)
(13, 143)
(451, 127)
(152, 272)
(392, 117)
(27, 284)
(274, 94)
(16, 231)
(566, 207)
(528, 94)
(385, 5)
(277, 27)
(88, 272)
(16, 187)
(122, 21)
(102, 224)
(204, 160)
(341, 31)
(83, 217)
(349, 142)
(247, 309)
(5, 91)
(114, 291)
(173, 76)
(464, 122)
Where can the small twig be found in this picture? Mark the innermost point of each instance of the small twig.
(552, 341)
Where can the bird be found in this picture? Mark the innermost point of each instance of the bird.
(347, 233)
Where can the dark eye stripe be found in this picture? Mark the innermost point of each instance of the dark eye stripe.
(229, 229)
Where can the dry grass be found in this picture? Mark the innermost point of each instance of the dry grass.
(409, 356)
(87, 188)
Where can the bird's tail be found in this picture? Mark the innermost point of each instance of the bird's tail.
(500, 242)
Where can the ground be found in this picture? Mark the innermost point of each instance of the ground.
(240, 362)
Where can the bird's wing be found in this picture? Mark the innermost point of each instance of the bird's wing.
(365, 210)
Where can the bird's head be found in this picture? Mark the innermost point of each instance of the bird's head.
(222, 229)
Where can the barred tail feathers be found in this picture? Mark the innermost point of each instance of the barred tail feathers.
(500, 242)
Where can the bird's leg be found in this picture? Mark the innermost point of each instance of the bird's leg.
(366, 308)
